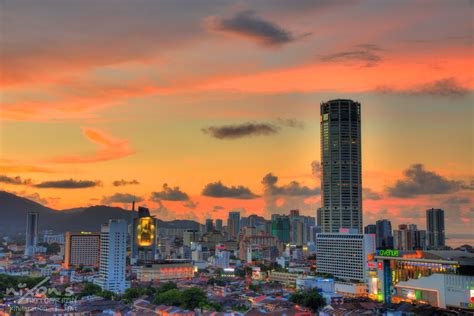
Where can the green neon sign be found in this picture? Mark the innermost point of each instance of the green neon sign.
(388, 253)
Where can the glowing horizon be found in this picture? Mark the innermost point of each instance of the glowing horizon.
(188, 108)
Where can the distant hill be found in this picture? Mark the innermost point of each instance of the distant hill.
(13, 210)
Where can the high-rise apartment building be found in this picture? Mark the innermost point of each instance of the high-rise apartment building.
(113, 254)
(31, 241)
(219, 225)
(384, 237)
(344, 255)
(281, 228)
(144, 233)
(233, 224)
(82, 249)
(341, 183)
(408, 237)
(370, 229)
(435, 228)
(209, 225)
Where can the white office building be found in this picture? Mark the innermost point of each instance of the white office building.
(344, 254)
(113, 253)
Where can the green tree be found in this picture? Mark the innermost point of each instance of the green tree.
(90, 289)
(130, 294)
(254, 287)
(172, 297)
(166, 287)
(308, 298)
(193, 297)
(106, 294)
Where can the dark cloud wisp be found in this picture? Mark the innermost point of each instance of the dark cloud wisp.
(293, 188)
(241, 130)
(366, 53)
(447, 87)
(68, 184)
(169, 194)
(219, 190)
(247, 23)
(14, 180)
(122, 182)
(291, 122)
(121, 198)
(417, 181)
(369, 194)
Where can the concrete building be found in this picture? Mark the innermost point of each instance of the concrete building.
(435, 228)
(209, 225)
(281, 227)
(219, 225)
(312, 282)
(259, 247)
(54, 238)
(383, 234)
(344, 255)
(423, 276)
(341, 185)
(221, 257)
(287, 279)
(113, 253)
(439, 290)
(82, 249)
(145, 234)
(233, 224)
(31, 242)
(408, 237)
(370, 229)
(166, 270)
(190, 236)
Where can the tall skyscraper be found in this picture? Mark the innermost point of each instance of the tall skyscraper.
(281, 228)
(233, 224)
(31, 233)
(209, 225)
(383, 233)
(408, 237)
(341, 183)
(435, 228)
(144, 233)
(370, 229)
(81, 249)
(113, 254)
(219, 225)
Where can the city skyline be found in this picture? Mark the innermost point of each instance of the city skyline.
(237, 129)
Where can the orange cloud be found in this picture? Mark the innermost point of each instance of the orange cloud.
(109, 148)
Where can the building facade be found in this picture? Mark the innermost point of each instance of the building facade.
(31, 242)
(144, 233)
(281, 228)
(344, 255)
(435, 228)
(408, 237)
(219, 225)
(164, 271)
(113, 254)
(341, 182)
(233, 224)
(384, 234)
(82, 249)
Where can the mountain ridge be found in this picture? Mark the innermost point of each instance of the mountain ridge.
(13, 210)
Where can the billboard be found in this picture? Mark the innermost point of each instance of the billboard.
(145, 231)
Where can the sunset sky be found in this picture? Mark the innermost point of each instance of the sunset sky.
(188, 106)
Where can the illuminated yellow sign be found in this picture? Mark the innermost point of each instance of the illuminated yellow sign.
(145, 231)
